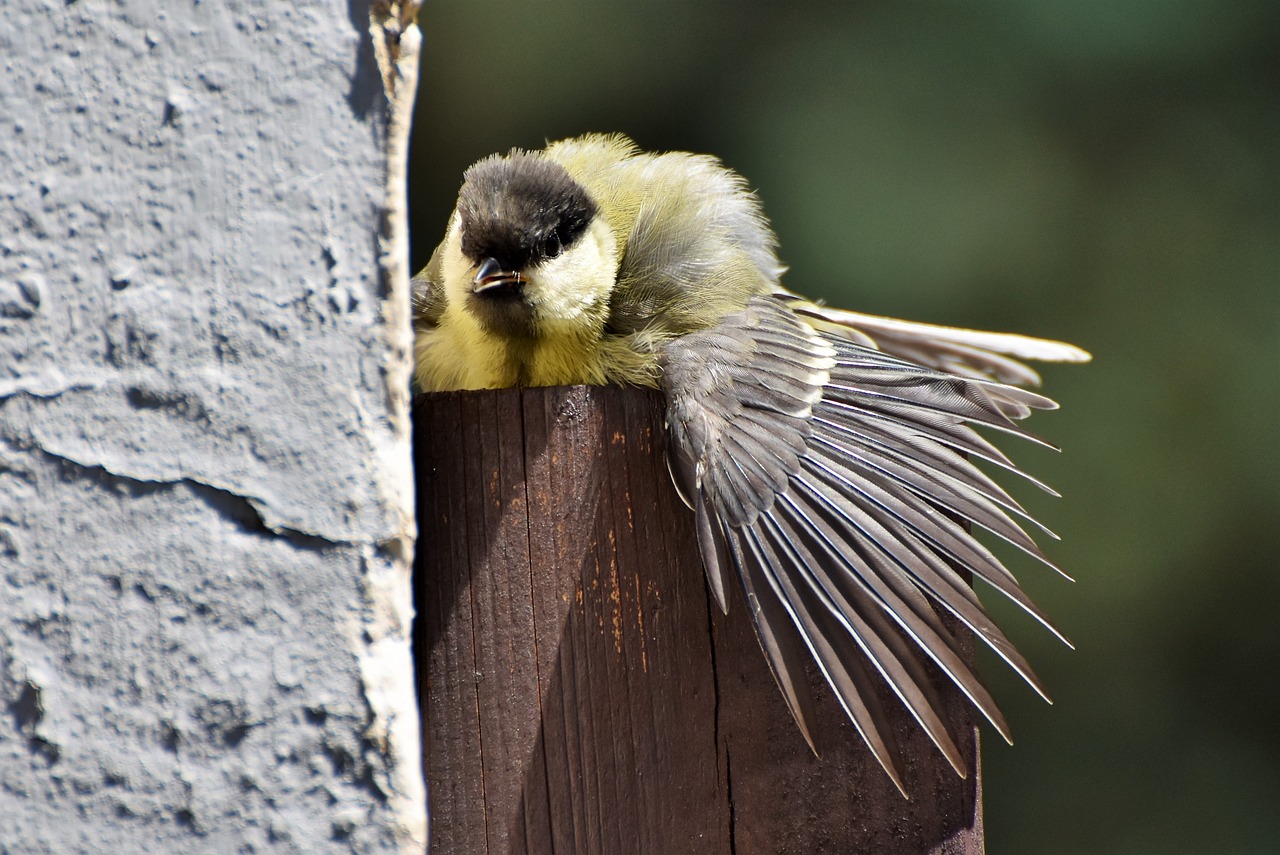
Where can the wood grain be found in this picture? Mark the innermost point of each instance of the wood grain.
(580, 693)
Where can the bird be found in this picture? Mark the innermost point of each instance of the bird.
(827, 455)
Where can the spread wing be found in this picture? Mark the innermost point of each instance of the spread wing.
(828, 477)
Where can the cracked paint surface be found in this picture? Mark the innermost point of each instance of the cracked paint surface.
(194, 439)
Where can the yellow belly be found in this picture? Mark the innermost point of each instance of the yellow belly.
(457, 356)
(452, 357)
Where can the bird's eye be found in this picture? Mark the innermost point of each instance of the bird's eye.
(554, 246)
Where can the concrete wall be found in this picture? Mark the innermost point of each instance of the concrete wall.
(200, 471)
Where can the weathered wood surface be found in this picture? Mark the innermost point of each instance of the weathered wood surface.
(580, 693)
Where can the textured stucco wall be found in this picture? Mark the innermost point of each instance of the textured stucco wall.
(197, 477)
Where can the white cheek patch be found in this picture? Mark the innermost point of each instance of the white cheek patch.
(455, 267)
(565, 287)
(578, 281)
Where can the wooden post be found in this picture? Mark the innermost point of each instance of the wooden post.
(580, 692)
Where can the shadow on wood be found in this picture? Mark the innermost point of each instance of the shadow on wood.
(580, 693)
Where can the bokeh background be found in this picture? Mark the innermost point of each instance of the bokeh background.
(1101, 171)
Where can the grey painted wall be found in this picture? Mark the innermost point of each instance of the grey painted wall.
(197, 465)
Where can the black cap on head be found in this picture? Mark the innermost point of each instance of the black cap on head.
(521, 209)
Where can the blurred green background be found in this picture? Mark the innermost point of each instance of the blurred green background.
(1107, 173)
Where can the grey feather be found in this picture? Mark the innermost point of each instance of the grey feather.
(837, 477)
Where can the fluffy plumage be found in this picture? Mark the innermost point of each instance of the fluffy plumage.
(825, 453)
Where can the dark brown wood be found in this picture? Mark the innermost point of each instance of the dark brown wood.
(580, 693)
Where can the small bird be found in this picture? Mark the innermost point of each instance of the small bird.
(826, 454)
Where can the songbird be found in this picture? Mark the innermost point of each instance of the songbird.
(826, 454)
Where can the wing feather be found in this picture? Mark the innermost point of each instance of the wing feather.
(967, 353)
(832, 478)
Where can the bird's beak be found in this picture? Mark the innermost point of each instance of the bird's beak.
(491, 279)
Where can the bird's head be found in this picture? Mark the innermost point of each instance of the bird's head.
(528, 253)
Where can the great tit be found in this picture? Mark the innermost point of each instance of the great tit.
(826, 454)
